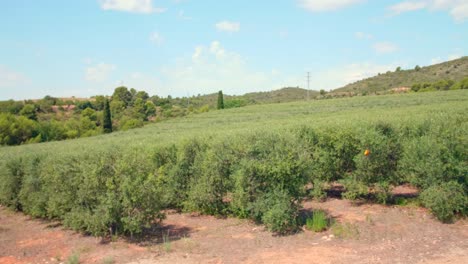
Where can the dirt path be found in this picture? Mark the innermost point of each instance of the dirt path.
(367, 234)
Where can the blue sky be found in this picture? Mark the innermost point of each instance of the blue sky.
(189, 47)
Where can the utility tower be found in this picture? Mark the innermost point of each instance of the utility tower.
(308, 82)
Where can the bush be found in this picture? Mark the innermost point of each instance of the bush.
(381, 164)
(277, 211)
(210, 184)
(354, 189)
(445, 200)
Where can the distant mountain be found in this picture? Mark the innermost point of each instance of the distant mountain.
(454, 70)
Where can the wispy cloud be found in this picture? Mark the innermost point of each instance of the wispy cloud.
(156, 38)
(211, 68)
(385, 47)
(99, 72)
(182, 16)
(458, 9)
(228, 26)
(406, 7)
(10, 78)
(341, 75)
(326, 5)
(363, 35)
(134, 6)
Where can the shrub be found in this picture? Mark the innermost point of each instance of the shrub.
(354, 189)
(210, 184)
(277, 211)
(381, 164)
(445, 200)
(318, 191)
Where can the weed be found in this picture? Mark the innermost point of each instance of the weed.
(167, 242)
(108, 260)
(73, 258)
(369, 219)
(345, 230)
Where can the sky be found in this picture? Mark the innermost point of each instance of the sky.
(190, 47)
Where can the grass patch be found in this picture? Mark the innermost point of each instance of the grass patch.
(318, 222)
(108, 260)
(73, 259)
(167, 246)
(345, 230)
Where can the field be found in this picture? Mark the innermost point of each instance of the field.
(257, 162)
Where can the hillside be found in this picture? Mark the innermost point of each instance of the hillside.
(283, 95)
(454, 70)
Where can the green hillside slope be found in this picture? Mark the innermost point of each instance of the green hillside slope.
(454, 70)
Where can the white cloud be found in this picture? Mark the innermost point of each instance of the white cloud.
(134, 6)
(436, 60)
(228, 26)
(345, 74)
(197, 53)
(326, 5)
(362, 35)
(211, 68)
(460, 12)
(454, 56)
(99, 72)
(385, 47)
(156, 38)
(458, 9)
(10, 78)
(406, 7)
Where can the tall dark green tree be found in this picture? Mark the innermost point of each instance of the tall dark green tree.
(107, 120)
(220, 100)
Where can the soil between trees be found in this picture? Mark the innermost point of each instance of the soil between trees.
(372, 234)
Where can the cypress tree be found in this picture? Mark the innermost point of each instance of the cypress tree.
(220, 100)
(107, 122)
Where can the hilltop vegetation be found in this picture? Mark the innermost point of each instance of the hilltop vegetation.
(252, 162)
(454, 70)
(51, 119)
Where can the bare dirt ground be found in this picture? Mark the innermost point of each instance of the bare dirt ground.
(369, 233)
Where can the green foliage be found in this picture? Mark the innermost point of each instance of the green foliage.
(355, 189)
(277, 211)
(220, 100)
(318, 190)
(127, 124)
(463, 84)
(122, 95)
(15, 130)
(318, 222)
(445, 200)
(107, 120)
(253, 162)
(29, 111)
(234, 103)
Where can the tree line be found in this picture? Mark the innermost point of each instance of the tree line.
(51, 119)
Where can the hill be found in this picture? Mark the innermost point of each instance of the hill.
(283, 95)
(454, 70)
